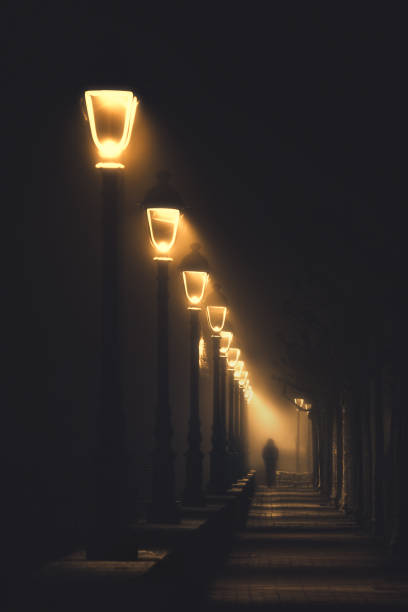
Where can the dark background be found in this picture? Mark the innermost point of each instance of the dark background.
(284, 127)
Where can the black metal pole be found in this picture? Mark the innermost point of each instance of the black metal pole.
(241, 431)
(218, 455)
(297, 440)
(164, 508)
(231, 432)
(111, 462)
(193, 493)
(237, 434)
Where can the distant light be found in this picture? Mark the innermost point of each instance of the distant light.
(232, 357)
(195, 283)
(243, 378)
(216, 318)
(307, 407)
(163, 224)
(226, 339)
(299, 401)
(111, 115)
(238, 370)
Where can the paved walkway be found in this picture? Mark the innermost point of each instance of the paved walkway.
(299, 551)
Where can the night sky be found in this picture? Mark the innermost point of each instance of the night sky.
(284, 129)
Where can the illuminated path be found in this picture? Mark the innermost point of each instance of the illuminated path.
(299, 551)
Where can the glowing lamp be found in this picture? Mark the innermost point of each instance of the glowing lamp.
(226, 339)
(163, 224)
(216, 318)
(243, 378)
(299, 401)
(195, 275)
(307, 407)
(238, 370)
(216, 310)
(232, 357)
(111, 115)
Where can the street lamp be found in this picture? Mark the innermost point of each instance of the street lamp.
(299, 401)
(237, 419)
(308, 409)
(194, 269)
(216, 313)
(163, 207)
(232, 359)
(110, 115)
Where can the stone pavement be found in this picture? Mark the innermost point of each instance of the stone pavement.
(297, 550)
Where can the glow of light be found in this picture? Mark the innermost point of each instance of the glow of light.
(194, 285)
(111, 115)
(226, 339)
(232, 357)
(238, 370)
(202, 354)
(216, 317)
(243, 378)
(112, 165)
(163, 224)
(299, 401)
(307, 407)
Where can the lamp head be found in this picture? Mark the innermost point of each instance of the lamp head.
(111, 114)
(216, 310)
(194, 268)
(163, 206)
(232, 357)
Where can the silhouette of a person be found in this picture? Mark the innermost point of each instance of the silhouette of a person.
(270, 454)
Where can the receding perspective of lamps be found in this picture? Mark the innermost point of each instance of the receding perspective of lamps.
(232, 359)
(110, 114)
(194, 269)
(163, 206)
(216, 314)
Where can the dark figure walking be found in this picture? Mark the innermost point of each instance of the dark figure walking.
(270, 456)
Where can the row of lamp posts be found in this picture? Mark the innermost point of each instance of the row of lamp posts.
(111, 115)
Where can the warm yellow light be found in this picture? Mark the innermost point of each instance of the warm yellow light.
(307, 407)
(243, 378)
(216, 317)
(195, 283)
(226, 339)
(109, 165)
(202, 354)
(111, 115)
(163, 224)
(232, 357)
(299, 401)
(238, 370)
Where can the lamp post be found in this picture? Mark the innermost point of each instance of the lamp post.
(232, 359)
(308, 409)
(299, 401)
(111, 115)
(243, 423)
(163, 206)
(194, 268)
(237, 419)
(216, 313)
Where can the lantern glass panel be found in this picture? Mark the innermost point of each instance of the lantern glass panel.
(194, 284)
(163, 224)
(216, 317)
